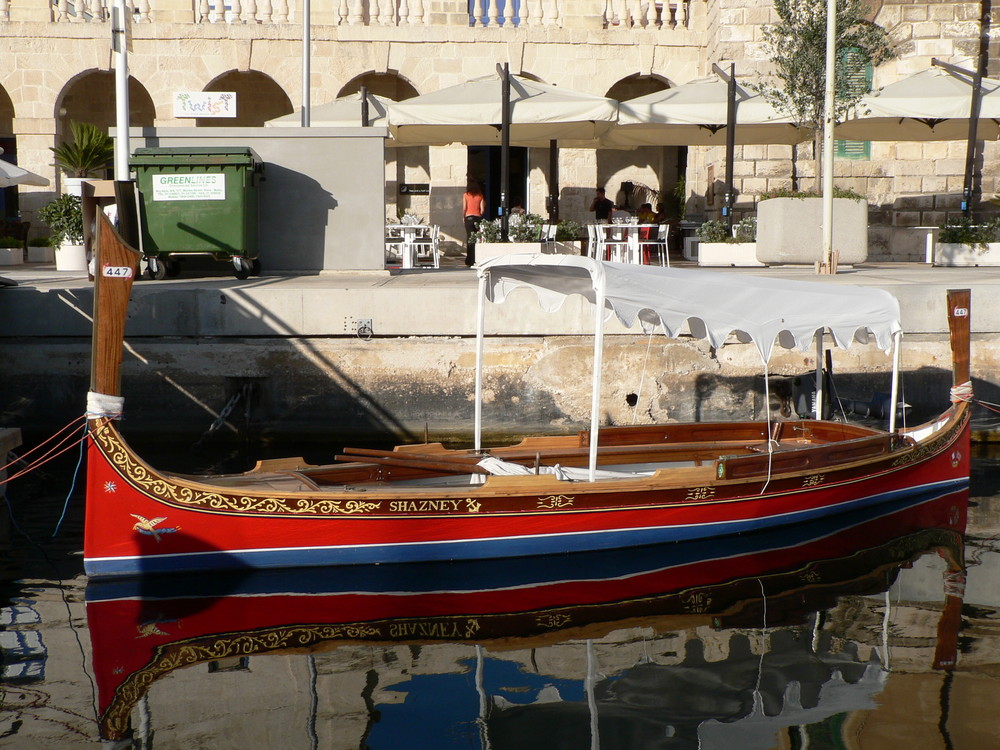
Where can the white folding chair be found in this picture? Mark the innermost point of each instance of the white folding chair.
(428, 248)
(657, 243)
(393, 244)
(615, 243)
(594, 242)
(549, 237)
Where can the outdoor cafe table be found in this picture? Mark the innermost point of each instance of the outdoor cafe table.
(626, 237)
(409, 234)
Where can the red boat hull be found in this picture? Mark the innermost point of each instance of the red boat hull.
(140, 521)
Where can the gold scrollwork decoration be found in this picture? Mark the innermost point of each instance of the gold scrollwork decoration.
(551, 620)
(556, 501)
(115, 721)
(170, 492)
(696, 602)
(700, 493)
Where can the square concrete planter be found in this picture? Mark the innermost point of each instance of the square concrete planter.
(568, 247)
(954, 254)
(790, 230)
(41, 254)
(71, 258)
(485, 250)
(11, 256)
(728, 254)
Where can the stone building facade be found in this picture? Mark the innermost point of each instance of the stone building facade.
(57, 66)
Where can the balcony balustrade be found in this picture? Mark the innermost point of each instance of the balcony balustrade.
(495, 14)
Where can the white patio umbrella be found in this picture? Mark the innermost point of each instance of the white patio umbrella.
(471, 113)
(340, 113)
(695, 114)
(11, 175)
(932, 105)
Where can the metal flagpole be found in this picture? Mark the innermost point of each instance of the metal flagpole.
(126, 196)
(119, 45)
(828, 113)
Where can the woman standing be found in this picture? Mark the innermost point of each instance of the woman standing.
(473, 208)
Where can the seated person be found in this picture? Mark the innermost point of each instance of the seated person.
(645, 215)
(660, 217)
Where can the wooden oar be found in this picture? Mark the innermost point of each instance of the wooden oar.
(457, 458)
(419, 462)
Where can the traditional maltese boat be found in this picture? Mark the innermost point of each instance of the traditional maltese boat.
(603, 488)
(144, 628)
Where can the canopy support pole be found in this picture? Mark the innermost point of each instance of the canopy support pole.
(894, 388)
(480, 324)
(600, 288)
(818, 407)
(365, 119)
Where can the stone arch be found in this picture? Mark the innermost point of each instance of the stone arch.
(655, 172)
(258, 99)
(389, 85)
(90, 97)
(636, 85)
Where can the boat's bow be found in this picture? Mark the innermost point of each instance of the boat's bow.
(116, 266)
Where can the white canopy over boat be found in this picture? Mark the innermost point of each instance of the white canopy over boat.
(706, 304)
(714, 305)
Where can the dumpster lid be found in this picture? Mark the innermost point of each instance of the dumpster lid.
(193, 155)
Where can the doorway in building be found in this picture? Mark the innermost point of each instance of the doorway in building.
(9, 206)
(484, 165)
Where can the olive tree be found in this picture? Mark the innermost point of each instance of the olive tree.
(797, 48)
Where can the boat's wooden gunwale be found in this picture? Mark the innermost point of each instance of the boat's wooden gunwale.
(519, 495)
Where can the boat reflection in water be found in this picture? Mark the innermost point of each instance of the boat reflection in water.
(630, 673)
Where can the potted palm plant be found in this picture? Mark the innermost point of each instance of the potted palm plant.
(86, 155)
(64, 216)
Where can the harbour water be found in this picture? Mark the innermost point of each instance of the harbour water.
(876, 632)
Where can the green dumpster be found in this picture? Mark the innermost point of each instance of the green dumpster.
(198, 201)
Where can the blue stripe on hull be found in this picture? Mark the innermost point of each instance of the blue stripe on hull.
(492, 548)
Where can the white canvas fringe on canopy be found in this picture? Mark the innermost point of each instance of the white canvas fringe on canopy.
(706, 304)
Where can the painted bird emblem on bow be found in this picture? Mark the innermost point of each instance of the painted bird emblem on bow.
(148, 526)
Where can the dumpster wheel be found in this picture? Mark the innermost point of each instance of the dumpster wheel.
(156, 269)
(242, 268)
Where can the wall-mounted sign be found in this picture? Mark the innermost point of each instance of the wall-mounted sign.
(204, 104)
(189, 187)
(414, 188)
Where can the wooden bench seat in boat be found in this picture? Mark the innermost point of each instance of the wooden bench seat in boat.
(276, 481)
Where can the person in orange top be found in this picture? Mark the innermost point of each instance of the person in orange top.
(473, 208)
